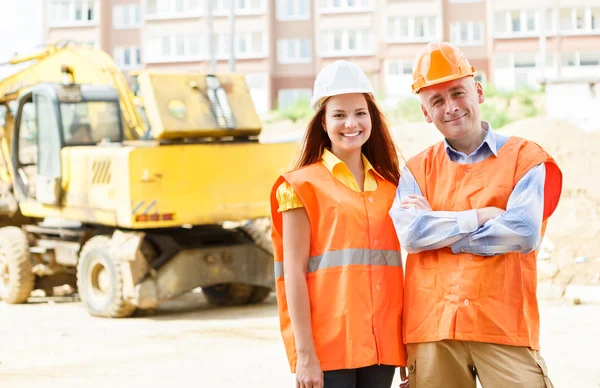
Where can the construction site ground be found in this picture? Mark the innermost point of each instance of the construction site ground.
(55, 343)
(190, 344)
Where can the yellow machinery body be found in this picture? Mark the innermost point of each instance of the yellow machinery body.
(143, 196)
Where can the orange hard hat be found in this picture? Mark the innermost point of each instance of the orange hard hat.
(439, 62)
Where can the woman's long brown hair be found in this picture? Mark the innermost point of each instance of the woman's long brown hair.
(379, 149)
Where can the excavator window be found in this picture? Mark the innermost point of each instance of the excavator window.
(28, 136)
(28, 149)
(90, 122)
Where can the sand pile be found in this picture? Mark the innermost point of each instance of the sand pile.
(574, 230)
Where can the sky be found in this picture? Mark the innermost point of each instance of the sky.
(21, 28)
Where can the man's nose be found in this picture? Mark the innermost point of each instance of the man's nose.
(451, 106)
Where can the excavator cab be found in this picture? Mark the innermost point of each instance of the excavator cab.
(50, 117)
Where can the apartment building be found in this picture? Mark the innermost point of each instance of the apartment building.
(541, 38)
(280, 45)
(111, 25)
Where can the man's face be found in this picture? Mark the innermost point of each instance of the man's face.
(453, 107)
(82, 135)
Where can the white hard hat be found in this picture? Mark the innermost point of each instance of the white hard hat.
(340, 77)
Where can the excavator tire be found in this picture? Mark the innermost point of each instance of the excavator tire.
(100, 281)
(228, 294)
(259, 294)
(235, 294)
(16, 276)
(260, 232)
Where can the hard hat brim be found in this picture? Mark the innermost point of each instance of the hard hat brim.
(424, 84)
(316, 102)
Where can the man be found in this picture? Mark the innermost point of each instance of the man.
(81, 133)
(470, 211)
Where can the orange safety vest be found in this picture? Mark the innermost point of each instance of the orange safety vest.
(354, 273)
(465, 296)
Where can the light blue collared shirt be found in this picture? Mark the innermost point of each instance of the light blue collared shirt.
(518, 229)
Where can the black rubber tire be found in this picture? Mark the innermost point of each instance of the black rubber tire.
(14, 252)
(259, 294)
(109, 303)
(259, 231)
(228, 294)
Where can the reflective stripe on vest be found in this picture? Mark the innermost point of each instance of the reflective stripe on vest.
(346, 257)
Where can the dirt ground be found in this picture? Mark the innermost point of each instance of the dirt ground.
(189, 344)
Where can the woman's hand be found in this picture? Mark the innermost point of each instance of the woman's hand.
(308, 372)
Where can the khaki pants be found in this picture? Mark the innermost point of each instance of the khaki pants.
(454, 364)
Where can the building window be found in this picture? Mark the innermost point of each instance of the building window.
(579, 16)
(346, 42)
(287, 97)
(242, 7)
(579, 20)
(467, 33)
(72, 12)
(163, 9)
(595, 19)
(524, 60)
(293, 51)
(126, 16)
(589, 59)
(412, 28)
(293, 9)
(127, 57)
(337, 6)
(517, 23)
(175, 48)
(250, 45)
(576, 59)
(399, 68)
(247, 45)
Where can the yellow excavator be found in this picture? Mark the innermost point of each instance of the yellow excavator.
(132, 197)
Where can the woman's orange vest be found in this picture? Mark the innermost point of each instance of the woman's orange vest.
(465, 296)
(354, 274)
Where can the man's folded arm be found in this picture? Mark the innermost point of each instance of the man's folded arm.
(518, 229)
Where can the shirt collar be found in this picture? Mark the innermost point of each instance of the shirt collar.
(489, 140)
(331, 161)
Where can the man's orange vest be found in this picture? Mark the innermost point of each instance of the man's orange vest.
(465, 296)
(354, 274)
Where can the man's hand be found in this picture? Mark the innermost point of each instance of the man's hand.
(416, 202)
(404, 382)
(487, 213)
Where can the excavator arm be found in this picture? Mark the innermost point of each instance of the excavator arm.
(67, 62)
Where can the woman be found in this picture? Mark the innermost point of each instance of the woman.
(337, 257)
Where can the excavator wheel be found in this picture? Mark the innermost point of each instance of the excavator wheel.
(16, 276)
(235, 294)
(100, 281)
(259, 294)
(260, 232)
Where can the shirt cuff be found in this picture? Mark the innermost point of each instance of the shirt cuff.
(467, 221)
(461, 245)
